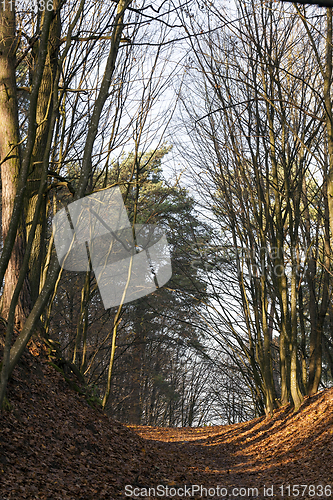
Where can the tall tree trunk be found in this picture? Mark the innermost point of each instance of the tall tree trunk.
(11, 163)
(328, 113)
(43, 120)
(267, 355)
(294, 375)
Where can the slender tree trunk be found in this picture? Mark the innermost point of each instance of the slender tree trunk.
(328, 114)
(303, 337)
(267, 356)
(81, 323)
(43, 120)
(294, 378)
(137, 364)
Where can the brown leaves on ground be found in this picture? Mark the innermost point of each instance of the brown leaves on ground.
(54, 446)
(290, 449)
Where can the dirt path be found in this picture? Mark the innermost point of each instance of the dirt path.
(258, 459)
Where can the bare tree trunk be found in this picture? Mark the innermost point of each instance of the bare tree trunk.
(328, 113)
(294, 375)
(82, 322)
(10, 163)
(135, 411)
(43, 120)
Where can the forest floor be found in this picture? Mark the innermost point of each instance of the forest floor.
(55, 446)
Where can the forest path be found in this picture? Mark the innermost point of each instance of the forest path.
(263, 458)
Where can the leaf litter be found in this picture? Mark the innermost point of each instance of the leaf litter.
(55, 446)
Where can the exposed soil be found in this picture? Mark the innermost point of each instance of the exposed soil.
(54, 446)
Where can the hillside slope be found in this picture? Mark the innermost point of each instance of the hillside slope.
(54, 446)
